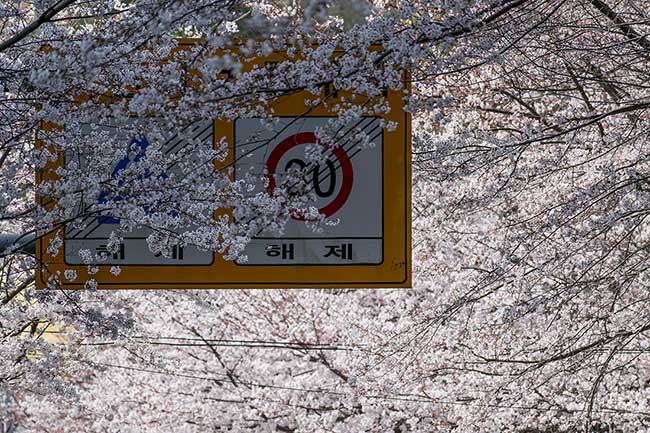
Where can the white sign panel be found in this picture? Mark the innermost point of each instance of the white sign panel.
(96, 229)
(348, 186)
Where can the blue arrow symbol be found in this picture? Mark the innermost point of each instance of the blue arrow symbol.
(142, 143)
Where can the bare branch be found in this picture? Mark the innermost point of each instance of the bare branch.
(44, 18)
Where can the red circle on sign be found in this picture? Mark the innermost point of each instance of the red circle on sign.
(306, 138)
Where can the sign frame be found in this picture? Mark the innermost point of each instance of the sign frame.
(393, 271)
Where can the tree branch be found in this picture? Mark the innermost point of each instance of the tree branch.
(627, 29)
(17, 290)
(44, 18)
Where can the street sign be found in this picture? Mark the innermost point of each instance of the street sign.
(357, 233)
(96, 229)
(348, 187)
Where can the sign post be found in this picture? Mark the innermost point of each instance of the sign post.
(362, 187)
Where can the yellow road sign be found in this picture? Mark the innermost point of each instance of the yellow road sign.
(363, 187)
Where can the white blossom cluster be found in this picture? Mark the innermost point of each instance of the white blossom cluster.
(530, 311)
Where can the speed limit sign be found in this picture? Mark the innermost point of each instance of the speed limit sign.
(345, 177)
(337, 154)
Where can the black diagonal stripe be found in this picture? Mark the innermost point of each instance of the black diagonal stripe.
(194, 135)
(347, 151)
(176, 139)
(94, 226)
(349, 158)
(207, 134)
(268, 141)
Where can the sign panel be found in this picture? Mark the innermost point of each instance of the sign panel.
(347, 186)
(355, 234)
(133, 250)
